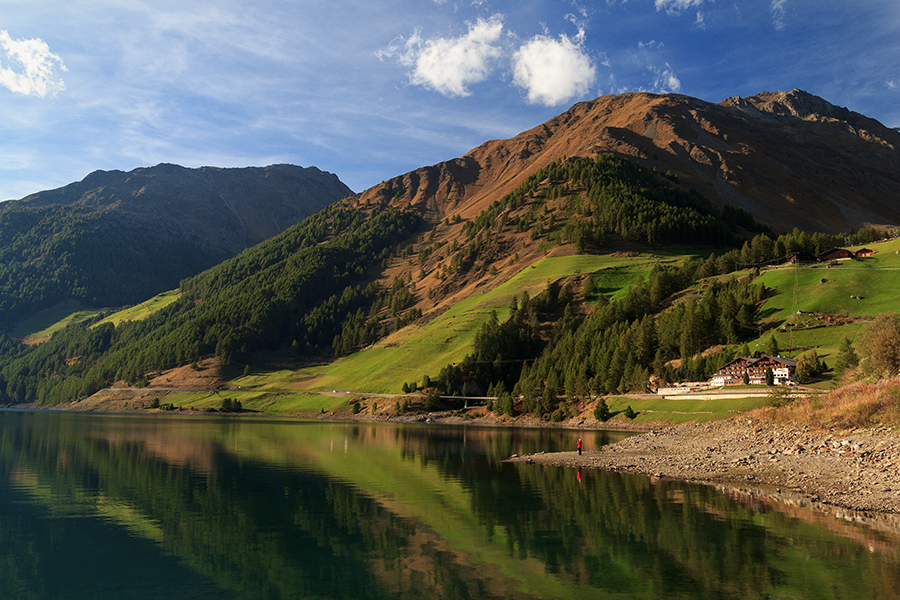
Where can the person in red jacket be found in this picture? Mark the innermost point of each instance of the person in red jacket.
(578, 445)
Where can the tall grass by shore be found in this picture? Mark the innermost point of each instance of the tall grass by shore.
(859, 404)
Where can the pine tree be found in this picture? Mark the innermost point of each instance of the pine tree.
(846, 357)
(773, 346)
(601, 411)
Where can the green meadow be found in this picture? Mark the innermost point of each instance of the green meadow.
(54, 319)
(680, 410)
(425, 348)
(858, 289)
(142, 310)
(49, 321)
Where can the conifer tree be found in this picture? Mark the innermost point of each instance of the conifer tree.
(846, 357)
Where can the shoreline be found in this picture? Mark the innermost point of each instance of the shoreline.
(854, 471)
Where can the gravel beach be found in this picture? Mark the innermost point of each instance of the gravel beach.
(857, 470)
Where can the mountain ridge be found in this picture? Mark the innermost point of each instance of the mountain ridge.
(117, 238)
(149, 195)
(789, 158)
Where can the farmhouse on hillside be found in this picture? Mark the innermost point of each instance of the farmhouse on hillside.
(800, 258)
(783, 370)
(864, 253)
(836, 254)
(803, 258)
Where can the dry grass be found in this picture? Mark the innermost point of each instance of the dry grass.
(858, 404)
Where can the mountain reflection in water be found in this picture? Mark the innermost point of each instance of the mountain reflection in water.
(162, 507)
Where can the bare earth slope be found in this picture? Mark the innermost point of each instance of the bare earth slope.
(789, 158)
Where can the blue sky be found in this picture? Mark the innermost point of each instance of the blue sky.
(372, 89)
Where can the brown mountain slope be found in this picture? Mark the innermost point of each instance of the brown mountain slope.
(790, 159)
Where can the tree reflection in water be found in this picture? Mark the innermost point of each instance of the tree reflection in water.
(110, 506)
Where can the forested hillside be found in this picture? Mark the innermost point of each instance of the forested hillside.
(118, 238)
(290, 292)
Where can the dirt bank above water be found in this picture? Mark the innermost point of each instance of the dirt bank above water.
(858, 470)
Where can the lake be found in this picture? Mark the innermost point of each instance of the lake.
(103, 506)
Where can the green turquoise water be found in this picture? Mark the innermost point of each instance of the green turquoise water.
(167, 507)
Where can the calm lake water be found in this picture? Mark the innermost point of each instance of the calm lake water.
(166, 507)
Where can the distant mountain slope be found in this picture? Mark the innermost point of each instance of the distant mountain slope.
(118, 238)
(790, 159)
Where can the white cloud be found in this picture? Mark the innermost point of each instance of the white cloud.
(700, 22)
(778, 12)
(676, 7)
(665, 81)
(450, 65)
(553, 71)
(35, 71)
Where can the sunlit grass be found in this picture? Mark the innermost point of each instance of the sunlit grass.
(49, 321)
(420, 349)
(142, 310)
(682, 410)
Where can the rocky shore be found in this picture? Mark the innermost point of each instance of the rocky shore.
(857, 470)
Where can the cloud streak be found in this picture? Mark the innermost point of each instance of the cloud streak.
(666, 81)
(676, 7)
(34, 70)
(778, 12)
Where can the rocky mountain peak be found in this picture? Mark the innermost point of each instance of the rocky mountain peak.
(791, 159)
(796, 103)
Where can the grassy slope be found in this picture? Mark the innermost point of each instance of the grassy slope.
(144, 309)
(418, 349)
(876, 279)
(48, 322)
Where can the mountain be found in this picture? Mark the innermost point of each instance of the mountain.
(790, 159)
(117, 238)
(619, 176)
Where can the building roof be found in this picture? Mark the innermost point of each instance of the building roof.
(836, 252)
(788, 362)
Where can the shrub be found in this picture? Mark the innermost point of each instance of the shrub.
(880, 345)
(432, 401)
(780, 396)
(505, 405)
(809, 366)
(601, 411)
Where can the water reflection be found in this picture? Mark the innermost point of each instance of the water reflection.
(99, 507)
